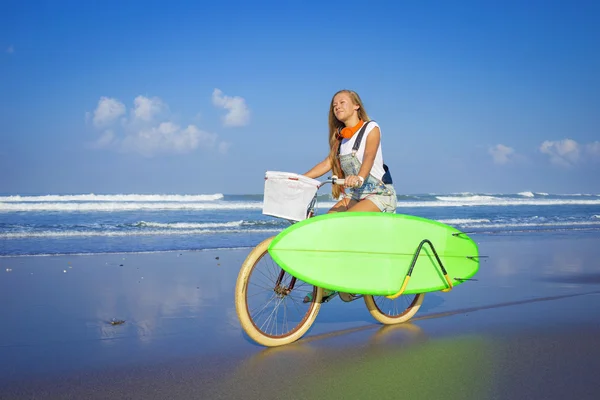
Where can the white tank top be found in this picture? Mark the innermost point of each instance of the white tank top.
(377, 170)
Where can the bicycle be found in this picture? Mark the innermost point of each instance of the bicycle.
(282, 290)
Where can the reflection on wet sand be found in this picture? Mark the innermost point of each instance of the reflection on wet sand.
(529, 257)
(147, 295)
(394, 360)
(576, 279)
(145, 308)
(405, 333)
(500, 305)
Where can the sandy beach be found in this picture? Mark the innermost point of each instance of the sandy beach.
(528, 327)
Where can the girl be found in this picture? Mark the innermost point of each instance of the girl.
(367, 181)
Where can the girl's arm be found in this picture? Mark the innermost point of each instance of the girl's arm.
(371, 146)
(320, 169)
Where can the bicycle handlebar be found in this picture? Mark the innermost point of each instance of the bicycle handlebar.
(334, 180)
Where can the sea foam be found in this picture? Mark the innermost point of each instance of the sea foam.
(114, 198)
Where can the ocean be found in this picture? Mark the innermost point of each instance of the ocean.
(94, 223)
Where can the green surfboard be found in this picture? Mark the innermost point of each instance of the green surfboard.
(371, 253)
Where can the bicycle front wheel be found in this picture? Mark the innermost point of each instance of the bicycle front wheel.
(269, 301)
(396, 311)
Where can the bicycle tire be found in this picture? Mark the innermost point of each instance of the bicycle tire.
(252, 328)
(387, 318)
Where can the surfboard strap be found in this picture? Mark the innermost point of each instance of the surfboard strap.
(412, 266)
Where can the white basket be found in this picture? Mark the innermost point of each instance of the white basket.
(288, 195)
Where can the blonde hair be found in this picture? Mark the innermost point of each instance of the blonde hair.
(334, 126)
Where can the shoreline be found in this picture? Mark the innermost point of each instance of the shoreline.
(126, 252)
(548, 233)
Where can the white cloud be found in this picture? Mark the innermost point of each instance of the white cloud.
(108, 111)
(167, 137)
(238, 114)
(206, 140)
(10, 49)
(564, 153)
(146, 108)
(105, 140)
(502, 154)
(593, 150)
(149, 130)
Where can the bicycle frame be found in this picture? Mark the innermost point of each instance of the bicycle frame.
(334, 180)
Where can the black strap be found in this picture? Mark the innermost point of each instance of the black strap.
(360, 136)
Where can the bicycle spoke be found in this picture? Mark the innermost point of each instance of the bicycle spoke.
(296, 304)
(394, 307)
(269, 278)
(266, 305)
(274, 311)
(285, 320)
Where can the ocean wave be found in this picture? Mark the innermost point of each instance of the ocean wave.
(527, 194)
(578, 194)
(483, 201)
(155, 232)
(532, 224)
(113, 198)
(441, 201)
(468, 199)
(204, 225)
(177, 229)
(465, 221)
(262, 225)
(494, 201)
(128, 253)
(118, 206)
(189, 225)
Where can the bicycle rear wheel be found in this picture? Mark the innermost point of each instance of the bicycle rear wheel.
(269, 301)
(396, 311)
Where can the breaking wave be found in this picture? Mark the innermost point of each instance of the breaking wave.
(114, 198)
(125, 206)
(154, 232)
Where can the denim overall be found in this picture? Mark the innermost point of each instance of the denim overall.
(384, 196)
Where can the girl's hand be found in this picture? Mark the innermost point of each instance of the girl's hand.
(354, 181)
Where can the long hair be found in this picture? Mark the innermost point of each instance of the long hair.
(334, 142)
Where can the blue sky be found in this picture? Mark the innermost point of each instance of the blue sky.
(199, 97)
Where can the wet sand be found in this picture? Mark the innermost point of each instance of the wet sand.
(528, 327)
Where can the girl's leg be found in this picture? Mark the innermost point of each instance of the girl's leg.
(364, 205)
(343, 205)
